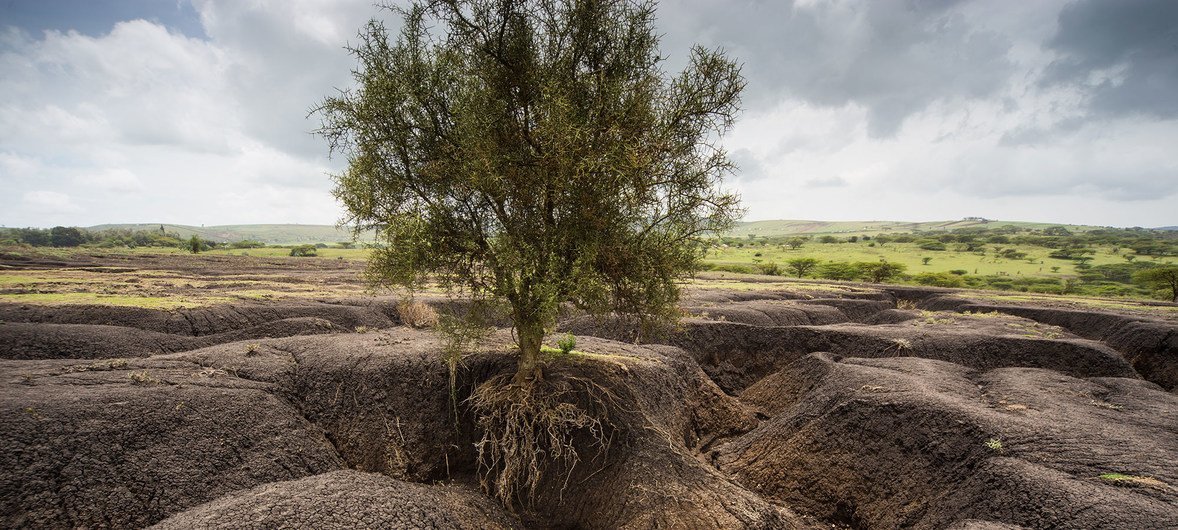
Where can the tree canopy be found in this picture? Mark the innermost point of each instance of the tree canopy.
(535, 152)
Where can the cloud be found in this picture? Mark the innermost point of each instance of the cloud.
(833, 181)
(1123, 55)
(891, 57)
(49, 202)
(1056, 110)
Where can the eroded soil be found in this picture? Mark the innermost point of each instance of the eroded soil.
(772, 405)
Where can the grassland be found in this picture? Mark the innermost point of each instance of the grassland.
(271, 234)
(781, 228)
(1037, 263)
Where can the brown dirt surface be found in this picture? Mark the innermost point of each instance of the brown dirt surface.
(347, 499)
(242, 392)
(910, 442)
(124, 443)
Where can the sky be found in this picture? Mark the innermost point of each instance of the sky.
(197, 111)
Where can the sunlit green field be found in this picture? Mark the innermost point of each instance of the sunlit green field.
(909, 254)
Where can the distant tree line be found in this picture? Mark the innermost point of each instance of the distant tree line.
(71, 236)
(1064, 243)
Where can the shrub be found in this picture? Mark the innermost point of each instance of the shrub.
(959, 272)
(839, 270)
(939, 279)
(417, 314)
(567, 343)
(304, 251)
(931, 244)
(801, 266)
(770, 269)
(878, 272)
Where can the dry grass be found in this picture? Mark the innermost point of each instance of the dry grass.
(417, 314)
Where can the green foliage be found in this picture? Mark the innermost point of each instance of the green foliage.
(1164, 278)
(770, 269)
(939, 279)
(931, 244)
(879, 272)
(304, 251)
(838, 270)
(801, 266)
(66, 236)
(567, 343)
(536, 153)
(194, 244)
(245, 243)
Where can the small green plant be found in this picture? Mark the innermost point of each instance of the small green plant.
(567, 343)
(251, 349)
(994, 444)
(1121, 479)
(362, 329)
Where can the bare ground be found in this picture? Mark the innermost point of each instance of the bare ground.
(772, 405)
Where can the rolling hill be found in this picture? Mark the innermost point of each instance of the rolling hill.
(271, 234)
(778, 228)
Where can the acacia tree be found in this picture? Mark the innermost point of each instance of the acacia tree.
(535, 152)
(1163, 278)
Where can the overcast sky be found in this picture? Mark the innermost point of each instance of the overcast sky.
(195, 112)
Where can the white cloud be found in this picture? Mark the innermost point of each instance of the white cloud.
(49, 202)
(855, 110)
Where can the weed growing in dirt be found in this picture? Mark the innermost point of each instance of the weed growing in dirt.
(994, 444)
(417, 314)
(902, 344)
(251, 349)
(1122, 479)
(1105, 405)
(142, 378)
(362, 329)
(906, 304)
(567, 343)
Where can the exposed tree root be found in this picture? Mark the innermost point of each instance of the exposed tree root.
(532, 432)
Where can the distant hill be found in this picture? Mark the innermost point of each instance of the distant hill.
(1168, 228)
(794, 227)
(284, 234)
(269, 234)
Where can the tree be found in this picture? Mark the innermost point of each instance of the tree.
(801, 266)
(881, 271)
(66, 236)
(535, 153)
(795, 242)
(1160, 278)
(195, 244)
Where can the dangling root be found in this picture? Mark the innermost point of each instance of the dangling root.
(527, 429)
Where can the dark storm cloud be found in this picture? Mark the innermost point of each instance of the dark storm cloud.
(1125, 53)
(893, 57)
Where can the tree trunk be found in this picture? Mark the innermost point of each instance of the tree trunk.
(531, 335)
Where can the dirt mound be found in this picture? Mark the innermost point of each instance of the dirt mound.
(346, 499)
(909, 442)
(200, 321)
(20, 340)
(119, 443)
(855, 310)
(770, 313)
(663, 410)
(384, 401)
(735, 355)
(1150, 345)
